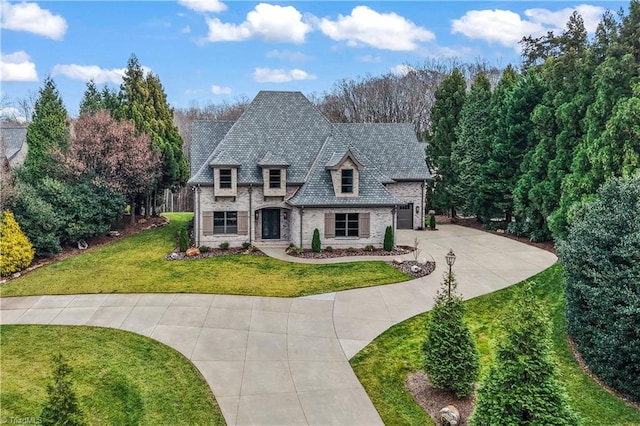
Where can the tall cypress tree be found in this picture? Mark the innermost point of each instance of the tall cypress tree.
(469, 152)
(91, 101)
(47, 131)
(441, 137)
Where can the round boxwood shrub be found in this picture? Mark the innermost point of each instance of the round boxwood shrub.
(601, 260)
(16, 252)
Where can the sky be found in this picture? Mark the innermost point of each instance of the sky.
(214, 51)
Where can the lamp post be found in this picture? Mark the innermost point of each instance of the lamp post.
(451, 259)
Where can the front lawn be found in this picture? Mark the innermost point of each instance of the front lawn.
(119, 377)
(137, 264)
(384, 364)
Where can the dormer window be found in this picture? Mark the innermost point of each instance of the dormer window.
(347, 181)
(275, 179)
(225, 179)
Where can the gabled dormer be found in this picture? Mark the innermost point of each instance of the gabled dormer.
(225, 175)
(345, 173)
(274, 174)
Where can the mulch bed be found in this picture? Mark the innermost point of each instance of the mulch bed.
(308, 254)
(425, 268)
(213, 252)
(432, 400)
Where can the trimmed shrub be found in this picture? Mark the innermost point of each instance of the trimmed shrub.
(204, 249)
(452, 361)
(523, 386)
(369, 247)
(39, 220)
(61, 407)
(315, 242)
(246, 245)
(432, 222)
(224, 245)
(16, 252)
(295, 250)
(328, 249)
(183, 238)
(388, 239)
(601, 260)
(351, 250)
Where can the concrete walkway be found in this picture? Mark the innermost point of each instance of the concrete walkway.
(279, 361)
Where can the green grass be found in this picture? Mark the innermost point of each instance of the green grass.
(119, 377)
(385, 363)
(137, 265)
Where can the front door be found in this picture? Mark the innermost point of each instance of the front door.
(271, 224)
(405, 216)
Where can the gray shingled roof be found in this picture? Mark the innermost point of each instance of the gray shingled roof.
(286, 129)
(12, 139)
(205, 136)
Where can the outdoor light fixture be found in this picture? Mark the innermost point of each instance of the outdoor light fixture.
(417, 209)
(451, 259)
(257, 214)
(284, 215)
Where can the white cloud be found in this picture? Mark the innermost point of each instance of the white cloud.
(219, 90)
(381, 30)
(288, 55)
(12, 114)
(31, 18)
(204, 5)
(270, 75)
(92, 72)
(17, 66)
(558, 20)
(370, 58)
(508, 28)
(186, 30)
(401, 70)
(269, 22)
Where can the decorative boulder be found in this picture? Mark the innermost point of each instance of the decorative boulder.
(114, 233)
(192, 252)
(82, 245)
(449, 416)
(415, 269)
(398, 261)
(142, 221)
(422, 261)
(174, 256)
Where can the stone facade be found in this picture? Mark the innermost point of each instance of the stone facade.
(411, 192)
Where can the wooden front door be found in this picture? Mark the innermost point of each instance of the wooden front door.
(271, 224)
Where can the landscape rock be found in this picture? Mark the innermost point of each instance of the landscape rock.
(114, 233)
(82, 245)
(449, 416)
(142, 221)
(415, 269)
(398, 261)
(16, 275)
(174, 256)
(422, 261)
(500, 231)
(192, 252)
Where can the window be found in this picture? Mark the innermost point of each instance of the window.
(347, 224)
(225, 222)
(347, 181)
(225, 178)
(274, 178)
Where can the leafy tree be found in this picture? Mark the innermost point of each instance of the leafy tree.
(522, 386)
(441, 138)
(452, 361)
(111, 154)
(16, 252)
(601, 259)
(315, 241)
(47, 131)
(469, 152)
(61, 407)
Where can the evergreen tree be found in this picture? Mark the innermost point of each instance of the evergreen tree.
(522, 386)
(441, 138)
(451, 356)
(469, 152)
(47, 131)
(61, 407)
(91, 100)
(111, 102)
(601, 260)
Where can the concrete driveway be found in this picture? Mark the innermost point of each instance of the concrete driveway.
(281, 361)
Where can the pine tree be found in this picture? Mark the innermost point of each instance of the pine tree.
(522, 386)
(451, 356)
(441, 138)
(16, 252)
(91, 100)
(469, 153)
(47, 132)
(61, 407)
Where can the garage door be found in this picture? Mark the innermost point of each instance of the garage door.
(405, 216)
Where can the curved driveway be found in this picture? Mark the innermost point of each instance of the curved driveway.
(279, 361)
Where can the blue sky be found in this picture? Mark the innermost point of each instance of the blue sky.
(210, 51)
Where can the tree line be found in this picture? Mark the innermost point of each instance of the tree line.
(80, 174)
(539, 145)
